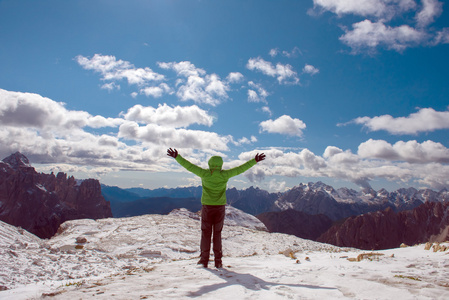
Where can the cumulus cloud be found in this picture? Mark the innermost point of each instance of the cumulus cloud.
(377, 8)
(32, 110)
(405, 162)
(309, 69)
(370, 35)
(379, 27)
(234, 77)
(181, 138)
(283, 73)
(199, 87)
(284, 125)
(156, 91)
(110, 86)
(410, 151)
(425, 120)
(47, 132)
(112, 69)
(169, 116)
(257, 93)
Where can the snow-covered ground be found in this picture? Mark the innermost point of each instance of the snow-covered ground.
(154, 256)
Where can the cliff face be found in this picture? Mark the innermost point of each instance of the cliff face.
(296, 223)
(40, 202)
(387, 229)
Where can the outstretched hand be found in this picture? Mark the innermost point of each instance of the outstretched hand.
(172, 153)
(259, 157)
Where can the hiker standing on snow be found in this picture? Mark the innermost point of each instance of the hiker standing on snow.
(213, 200)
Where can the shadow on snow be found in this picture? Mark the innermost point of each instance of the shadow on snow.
(248, 281)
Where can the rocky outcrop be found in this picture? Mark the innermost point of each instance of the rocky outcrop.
(40, 202)
(387, 229)
(296, 223)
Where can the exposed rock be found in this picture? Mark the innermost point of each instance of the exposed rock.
(387, 229)
(40, 202)
(296, 223)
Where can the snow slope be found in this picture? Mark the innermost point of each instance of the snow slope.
(154, 256)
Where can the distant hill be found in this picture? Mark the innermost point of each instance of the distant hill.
(138, 201)
(155, 205)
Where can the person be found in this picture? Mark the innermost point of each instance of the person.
(213, 200)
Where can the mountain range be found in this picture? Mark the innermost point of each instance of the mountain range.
(313, 211)
(41, 202)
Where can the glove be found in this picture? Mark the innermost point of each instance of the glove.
(259, 157)
(172, 153)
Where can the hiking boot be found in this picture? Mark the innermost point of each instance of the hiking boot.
(218, 264)
(203, 263)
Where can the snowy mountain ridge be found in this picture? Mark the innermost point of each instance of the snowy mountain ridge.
(89, 248)
(154, 256)
(318, 198)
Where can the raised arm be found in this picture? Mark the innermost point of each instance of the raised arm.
(244, 167)
(185, 163)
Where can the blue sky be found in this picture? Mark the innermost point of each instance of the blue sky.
(353, 93)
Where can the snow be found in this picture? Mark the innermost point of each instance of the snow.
(41, 187)
(154, 256)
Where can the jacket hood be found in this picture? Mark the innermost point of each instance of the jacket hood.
(215, 162)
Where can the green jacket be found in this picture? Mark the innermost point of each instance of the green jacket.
(214, 179)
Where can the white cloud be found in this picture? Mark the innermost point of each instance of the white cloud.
(425, 120)
(273, 52)
(252, 96)
(377, 8)
(331, 151)
(405, 162)
(32, 110)
(441, 37)
(369, 35)
(295, 51)
(289, 54)
(431, 9)
(200, 87)
(47, 132)
(309, 69)
(110, 86)
(171, 137)
(234, 77)
(183, 68)
(267, 110)
(380, 27)
(245, 140)
(283, 73)
(169, 116)
(284, 125)
(115, 70)
(157, 91)
(259, 96)
(278, 186)
(410, 151)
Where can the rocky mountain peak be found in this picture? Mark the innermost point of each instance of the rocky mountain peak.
(40, 202)
(17, 160)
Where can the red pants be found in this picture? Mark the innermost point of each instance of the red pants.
(212, 220)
